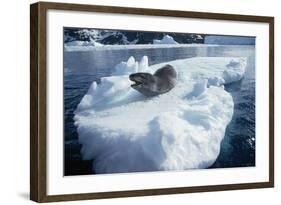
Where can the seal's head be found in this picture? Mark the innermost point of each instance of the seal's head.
(162, 81)
(144, 83)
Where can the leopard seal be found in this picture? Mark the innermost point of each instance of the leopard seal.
(162, 81)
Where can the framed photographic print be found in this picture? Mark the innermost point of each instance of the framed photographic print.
(134, 102)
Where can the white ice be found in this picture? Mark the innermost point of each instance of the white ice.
(131, 66)
(123, 131)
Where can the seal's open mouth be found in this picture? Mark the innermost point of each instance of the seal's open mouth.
(136, 79)
(136, 82)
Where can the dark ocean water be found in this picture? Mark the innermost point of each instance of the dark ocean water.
(82, 68)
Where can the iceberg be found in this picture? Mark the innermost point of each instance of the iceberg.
(165, 40)
(123, 131)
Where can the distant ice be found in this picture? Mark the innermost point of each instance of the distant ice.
(123, 131)
(165, 40)
(229, 40)
(80, 46)
(83, 44)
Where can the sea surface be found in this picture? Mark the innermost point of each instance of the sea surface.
(81, 68)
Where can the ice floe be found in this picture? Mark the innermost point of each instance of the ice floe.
(123, 131)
